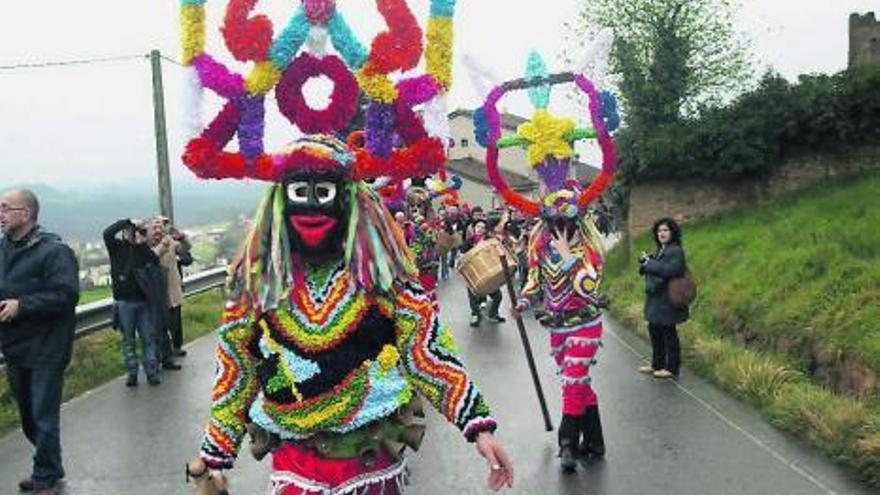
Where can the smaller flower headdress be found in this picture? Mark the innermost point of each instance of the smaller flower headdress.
(549, 142)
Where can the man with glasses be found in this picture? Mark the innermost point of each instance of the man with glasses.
(39, 290)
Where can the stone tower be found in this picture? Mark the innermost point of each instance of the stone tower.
(864, 40)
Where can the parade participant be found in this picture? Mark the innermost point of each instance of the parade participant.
(328, 335)
(424, 245)
(565, 250)
(478, 232)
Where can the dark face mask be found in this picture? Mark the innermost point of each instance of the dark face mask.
(317, 209)
(563, 225)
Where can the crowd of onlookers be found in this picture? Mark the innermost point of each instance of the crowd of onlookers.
(146, 265)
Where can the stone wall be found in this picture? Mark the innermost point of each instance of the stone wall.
(689, 200)
(864, 40)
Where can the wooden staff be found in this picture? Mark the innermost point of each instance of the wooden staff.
(548, 425)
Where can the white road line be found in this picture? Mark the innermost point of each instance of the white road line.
(793, 465)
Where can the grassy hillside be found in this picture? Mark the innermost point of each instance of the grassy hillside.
(788, 312)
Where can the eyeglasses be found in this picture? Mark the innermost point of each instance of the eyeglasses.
(7, 209)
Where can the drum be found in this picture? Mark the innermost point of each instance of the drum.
(446, 241)
(481, 266)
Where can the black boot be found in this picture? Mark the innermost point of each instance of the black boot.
(569, 433)
(593, 439)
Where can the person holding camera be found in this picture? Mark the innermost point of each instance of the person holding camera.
(667, 263)
(127, 244)
(174, 244)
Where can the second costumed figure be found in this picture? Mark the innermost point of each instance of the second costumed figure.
(565, 251)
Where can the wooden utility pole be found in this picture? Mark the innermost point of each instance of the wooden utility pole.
(166, 206)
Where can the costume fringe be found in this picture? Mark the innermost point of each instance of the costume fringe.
(394, 475)
(375, 250)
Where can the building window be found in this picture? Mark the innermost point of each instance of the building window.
(464, 143)
(451, 143)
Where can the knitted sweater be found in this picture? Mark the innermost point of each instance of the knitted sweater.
(332, 358)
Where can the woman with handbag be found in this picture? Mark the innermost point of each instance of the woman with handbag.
(664, 310)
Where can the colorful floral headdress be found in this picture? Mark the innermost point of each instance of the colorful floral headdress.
(279, 64)
(549, 142)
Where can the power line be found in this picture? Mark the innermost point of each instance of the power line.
(61, 63)
(169, 59)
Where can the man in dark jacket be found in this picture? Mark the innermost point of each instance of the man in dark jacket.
(131, 259)
(39, 290)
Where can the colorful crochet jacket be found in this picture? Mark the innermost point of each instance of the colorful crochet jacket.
(334, 358)
(424, 248)
(568, 288)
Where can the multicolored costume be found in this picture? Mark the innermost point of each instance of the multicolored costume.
(328, 333)
(567, 283)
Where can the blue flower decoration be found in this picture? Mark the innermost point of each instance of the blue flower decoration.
(481, 127)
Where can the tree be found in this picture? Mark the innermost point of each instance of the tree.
(674, 56)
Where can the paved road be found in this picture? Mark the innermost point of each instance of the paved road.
(662, 437)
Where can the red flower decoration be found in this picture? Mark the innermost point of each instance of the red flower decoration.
(343, 100)
(247, 39)
(399, 48)
(424, 157)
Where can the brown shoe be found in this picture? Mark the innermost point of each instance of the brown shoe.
(663, 374)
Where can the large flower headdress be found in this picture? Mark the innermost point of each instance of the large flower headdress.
(549, 142)
(395, 140)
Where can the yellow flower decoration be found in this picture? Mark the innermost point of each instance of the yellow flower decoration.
(262, 78)
(388, 357)
(546, 134)
(439, 50)
(192, 26)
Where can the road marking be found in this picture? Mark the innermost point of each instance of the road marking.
(793, 465)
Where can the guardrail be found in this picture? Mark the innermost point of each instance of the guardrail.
(98, 315)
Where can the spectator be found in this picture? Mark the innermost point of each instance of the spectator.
(129, 252)
(666, 263)
(39, 289)
(178, 246)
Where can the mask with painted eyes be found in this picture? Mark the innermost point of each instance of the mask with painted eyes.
(566, 225)
(317, 210)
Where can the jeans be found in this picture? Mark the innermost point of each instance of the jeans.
(175, 327)
(665, 347)
(136, 317)
(476, 300)
(37, 392)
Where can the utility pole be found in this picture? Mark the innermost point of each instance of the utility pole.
(166, 206)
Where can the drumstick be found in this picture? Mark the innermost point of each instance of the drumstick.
(548, 425)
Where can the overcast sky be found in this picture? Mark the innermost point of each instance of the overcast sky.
(93, 124)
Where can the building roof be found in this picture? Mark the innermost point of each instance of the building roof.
(474, 170)
(508, 120)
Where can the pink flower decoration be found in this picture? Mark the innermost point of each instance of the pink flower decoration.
(319, 11)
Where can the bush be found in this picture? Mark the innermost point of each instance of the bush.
(754, 134)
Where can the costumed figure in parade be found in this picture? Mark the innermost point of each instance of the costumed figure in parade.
(565, 251)
(328, 335)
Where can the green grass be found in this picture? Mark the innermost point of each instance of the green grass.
(96, 294)
(784, 289)
(204, 251)
(98, 357)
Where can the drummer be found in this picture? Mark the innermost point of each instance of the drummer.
(479, 231)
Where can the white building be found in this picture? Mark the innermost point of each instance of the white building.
(467, 159)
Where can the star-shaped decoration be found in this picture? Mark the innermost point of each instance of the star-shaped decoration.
(546, 135)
